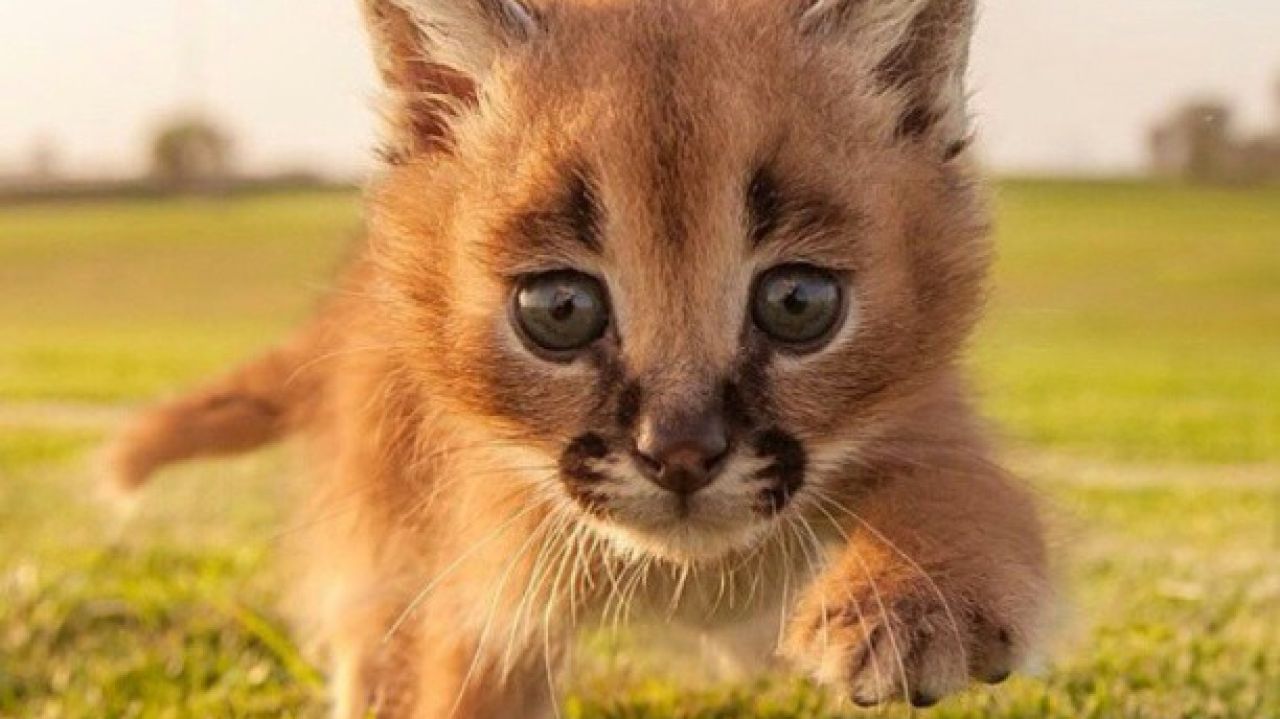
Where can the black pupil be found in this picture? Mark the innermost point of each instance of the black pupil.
(797, 300)
(565, 303)
(562, 311)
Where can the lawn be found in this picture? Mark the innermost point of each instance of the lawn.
(1132, 355)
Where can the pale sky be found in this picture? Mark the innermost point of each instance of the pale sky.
(1060, 85)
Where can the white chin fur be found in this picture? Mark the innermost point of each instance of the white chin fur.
(681, 540)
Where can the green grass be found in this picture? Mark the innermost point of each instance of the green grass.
(119, 301)
(1137, 322)
(1132, 353)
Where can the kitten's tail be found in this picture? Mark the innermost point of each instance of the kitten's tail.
(258, 403)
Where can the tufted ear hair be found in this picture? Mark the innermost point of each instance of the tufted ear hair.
(918, 49)
(433, 56)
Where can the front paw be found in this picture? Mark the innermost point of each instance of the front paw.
(910, 641)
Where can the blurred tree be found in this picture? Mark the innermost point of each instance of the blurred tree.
(1193, 143)
(1197, 143)
(191, 150)
(44, 159)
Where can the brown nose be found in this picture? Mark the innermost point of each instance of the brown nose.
(682, 453)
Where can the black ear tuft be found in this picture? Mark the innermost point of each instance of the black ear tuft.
(957, 148)
(918, 49)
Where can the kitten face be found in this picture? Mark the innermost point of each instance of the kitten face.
(692, 267)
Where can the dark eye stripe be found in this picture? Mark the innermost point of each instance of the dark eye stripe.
(564, 221)
(764, 204)
(794, 213)
(583, 212)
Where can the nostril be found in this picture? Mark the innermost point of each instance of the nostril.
(687, 460)
(715, 458)
(648, 463)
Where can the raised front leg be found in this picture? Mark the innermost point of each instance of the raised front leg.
(942, 580)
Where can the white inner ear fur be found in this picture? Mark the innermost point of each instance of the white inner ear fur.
(466, 35)
(520, 15)
(877, 26)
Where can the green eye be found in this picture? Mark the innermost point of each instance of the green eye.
(561, 311)
(797, 304)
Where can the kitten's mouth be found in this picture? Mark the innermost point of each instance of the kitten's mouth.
(733, 513)
(689, 539)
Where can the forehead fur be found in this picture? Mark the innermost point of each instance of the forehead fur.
(689, 82)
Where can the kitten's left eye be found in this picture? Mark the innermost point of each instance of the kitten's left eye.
(798, 305)
(561, 311)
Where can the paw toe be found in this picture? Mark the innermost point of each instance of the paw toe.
(994, 656)
(923, 700)
(866, 702)
(996, 678)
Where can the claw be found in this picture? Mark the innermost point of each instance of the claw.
(997, 678)
(920, 700)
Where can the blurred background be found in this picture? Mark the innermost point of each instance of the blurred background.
(1059, 88)
(178, 179)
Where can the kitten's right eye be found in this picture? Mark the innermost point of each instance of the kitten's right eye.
(561, 312)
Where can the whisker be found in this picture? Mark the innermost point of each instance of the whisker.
(639, 580)
(788, 565)
(862, 619)
(453, 566)
(614, 587)
(535, 582)
(546, 626)
(678, 593)
(344, 502)
(344, 352)
(814, 571)
(884, 614)
(493, 607)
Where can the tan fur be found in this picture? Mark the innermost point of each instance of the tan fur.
(450, 566)
(256, 404)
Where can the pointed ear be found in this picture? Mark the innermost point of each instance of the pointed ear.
(433, 56)
(917, 48)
